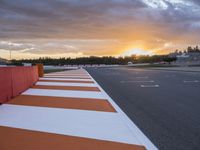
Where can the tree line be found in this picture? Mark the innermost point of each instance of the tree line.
(189, 49)
(108, 60)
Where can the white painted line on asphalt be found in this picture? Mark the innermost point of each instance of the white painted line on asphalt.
(66, 84)
(192, 81)
(66, 79)
(71, 74)
(150, 81)
(130, 124)
(149, 86)
(82, 123)
(65, 93)
(67, 76)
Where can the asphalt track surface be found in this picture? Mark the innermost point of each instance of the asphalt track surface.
(165, 105)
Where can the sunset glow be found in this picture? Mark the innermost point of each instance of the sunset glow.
(75, 28)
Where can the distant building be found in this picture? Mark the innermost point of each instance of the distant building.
(3, 61)
(191, 56)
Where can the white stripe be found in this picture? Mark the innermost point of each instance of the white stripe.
(66, 84)
(74, 72)
(192, 81)
(67, 72)
(66, 79)
(67, 75)
(65, 93)
(82, 123)
(136, 81)
(149, 86)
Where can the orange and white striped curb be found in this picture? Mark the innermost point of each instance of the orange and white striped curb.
(68, 110)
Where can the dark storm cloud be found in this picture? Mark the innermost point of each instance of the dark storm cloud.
(38, 18)
(45, 18)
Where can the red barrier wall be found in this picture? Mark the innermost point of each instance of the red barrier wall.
(5, 84)
(15, 80)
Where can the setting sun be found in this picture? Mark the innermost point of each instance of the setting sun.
(32, 29)
(136, 52)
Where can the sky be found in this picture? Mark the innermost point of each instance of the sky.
(78, 28)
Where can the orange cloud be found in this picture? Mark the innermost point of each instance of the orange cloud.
(82, 28)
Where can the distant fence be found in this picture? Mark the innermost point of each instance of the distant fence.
(15, 80)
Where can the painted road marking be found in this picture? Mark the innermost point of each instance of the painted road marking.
(68, 111)
(65, 93)
(65, 79)
(151, 81)
(68, 74)
(67, 84)
(63, 102)
(149, 86)
(89, 124)
(74, 88)
(77, 76)
(192, 81)
(32, 140)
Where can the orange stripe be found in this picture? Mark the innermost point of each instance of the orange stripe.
(21, 139)
(78, 88)
(67, 81)
(63, 102)
(67, 77)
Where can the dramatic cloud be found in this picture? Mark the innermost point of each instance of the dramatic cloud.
(97, 27)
